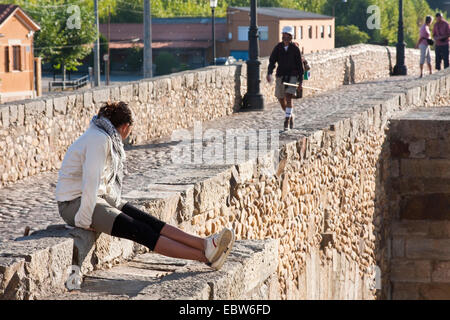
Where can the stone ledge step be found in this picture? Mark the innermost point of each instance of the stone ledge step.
(420, 271)
(248, 273)
(421, 228)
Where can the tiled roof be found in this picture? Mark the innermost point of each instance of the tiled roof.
(126, 32)
(164, 45)
(285, 13)
(6, 10)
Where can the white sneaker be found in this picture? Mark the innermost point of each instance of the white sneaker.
(219, 262)
(217, 244)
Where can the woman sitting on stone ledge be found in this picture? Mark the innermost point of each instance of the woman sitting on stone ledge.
(89, 194)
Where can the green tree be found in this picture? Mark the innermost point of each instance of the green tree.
(348, 35)
(67, 31)
(166, 63)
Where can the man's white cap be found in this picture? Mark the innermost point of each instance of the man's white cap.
(288, 29)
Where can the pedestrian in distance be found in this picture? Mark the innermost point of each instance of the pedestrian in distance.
(441, 34)
(289, 70)
(424, 43)
(89, 190)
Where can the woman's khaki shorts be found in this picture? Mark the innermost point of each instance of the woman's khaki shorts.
(281, 89)
(102, 218)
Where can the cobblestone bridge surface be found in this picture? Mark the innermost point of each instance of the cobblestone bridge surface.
(30, 202)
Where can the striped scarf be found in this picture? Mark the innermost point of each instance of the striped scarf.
(115, 179)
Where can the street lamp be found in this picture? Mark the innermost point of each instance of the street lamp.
(213, 5)
(400, 68)
(253, 99)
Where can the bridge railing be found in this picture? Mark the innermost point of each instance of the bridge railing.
(70, 84)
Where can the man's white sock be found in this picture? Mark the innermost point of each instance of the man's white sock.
(288, 112)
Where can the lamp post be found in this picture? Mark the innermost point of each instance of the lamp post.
(253, 99)
(213, 5)
(400, 68)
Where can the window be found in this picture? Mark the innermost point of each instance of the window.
(242, 33)
(317, 32)
(300, 32)
(322, 32)
(6, 59)
(329, 31)
(310, 32)
(16, 57)
(263, 33)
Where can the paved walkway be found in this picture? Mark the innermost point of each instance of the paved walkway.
(30, 202)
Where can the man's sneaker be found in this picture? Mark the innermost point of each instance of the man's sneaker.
(286, 123)
(217, 244)
(291, 122)
(219, 262)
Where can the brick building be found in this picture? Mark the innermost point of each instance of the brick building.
(16, 54)
(187, 39)
(314, 32)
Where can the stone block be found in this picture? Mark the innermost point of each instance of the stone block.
(100, 96)
(115, 93)
(410, 270)
(91, 250)
(49, 108)
(399, 148)
(13, 113)
(20, 114)
(398, 247)
(4, 116)
(410, 228)
(60, 104)
(189, 80)
(250, 265)
(88, 99)
(434, 291)
(126, 93)
(34, 267)
(438, 148)
(439, 229)
(160, 200)
(441, 272)
(431, 168)
(405, 291)
(417, 148)
(422, 248)
(436, 185)
(12, 278)
(428, 206)
(143, 91)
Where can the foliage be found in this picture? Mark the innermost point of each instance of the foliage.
(61, 41)
(348, 35)
(166, 63)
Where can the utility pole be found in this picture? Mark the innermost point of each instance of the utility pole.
(96, 48)
(148, 58)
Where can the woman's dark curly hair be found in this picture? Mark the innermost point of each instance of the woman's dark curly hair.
(117, 112)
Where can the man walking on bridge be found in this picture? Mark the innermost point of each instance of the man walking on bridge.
(290, 70)
(441, 33)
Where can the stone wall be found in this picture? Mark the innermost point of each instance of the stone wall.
(326, 196)
(420, 204)
(34, 134)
